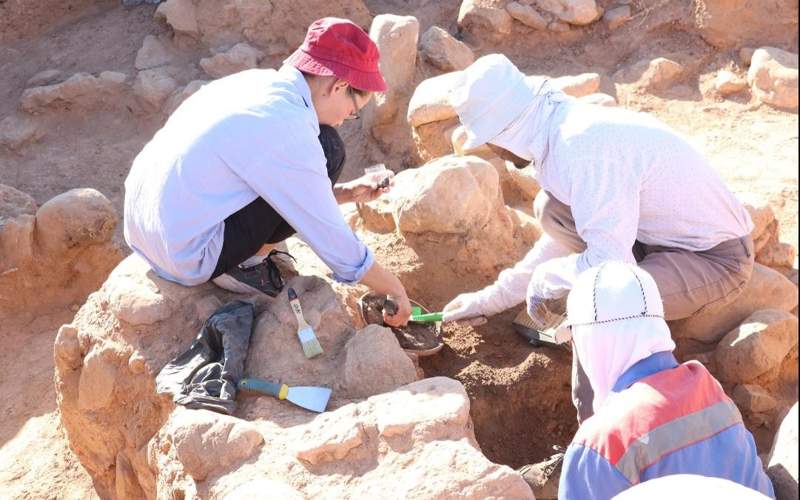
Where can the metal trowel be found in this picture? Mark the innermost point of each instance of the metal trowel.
(310, 398)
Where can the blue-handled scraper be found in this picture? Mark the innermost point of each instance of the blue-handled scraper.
(310, 398)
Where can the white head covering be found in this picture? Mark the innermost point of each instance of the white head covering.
(497, 103)
(617, 320)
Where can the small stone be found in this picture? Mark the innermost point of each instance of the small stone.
(657, 74)
(753, 398)
(17, 131)
(152, 54)
(180, 14)
(727, 83)
(153, 86)
(617, 16)
(484, 16)
(577, 12)
(439, 48)
(46, 77)
(527, 15)
(240, 57)
(773, 77)
(67, 349)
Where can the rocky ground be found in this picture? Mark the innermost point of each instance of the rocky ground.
(84, 85)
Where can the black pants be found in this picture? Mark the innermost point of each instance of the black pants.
(257, 223)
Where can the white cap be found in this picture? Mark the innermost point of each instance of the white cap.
(494, 93)
(613, 291)
(617, 319)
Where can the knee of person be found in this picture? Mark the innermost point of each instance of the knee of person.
(334, 149)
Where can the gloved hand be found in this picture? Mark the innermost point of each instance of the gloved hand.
(464, 306)
(545, 313)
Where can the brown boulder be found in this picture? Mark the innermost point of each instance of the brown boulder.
(767, 289)
(440, 49)
(732, 23)
(45, 253)
(773, 77)
(758, 346)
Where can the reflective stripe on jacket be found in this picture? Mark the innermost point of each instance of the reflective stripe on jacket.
(661, 419)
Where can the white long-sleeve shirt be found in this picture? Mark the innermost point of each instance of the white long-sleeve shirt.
(626, 177)
(252, 134)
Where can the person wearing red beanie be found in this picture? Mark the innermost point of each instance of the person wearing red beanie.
(253, 158)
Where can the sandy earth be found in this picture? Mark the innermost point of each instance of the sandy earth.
(753, 148)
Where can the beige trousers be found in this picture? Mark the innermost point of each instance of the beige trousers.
(690, 282)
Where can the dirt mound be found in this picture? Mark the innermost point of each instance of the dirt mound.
(135, 441)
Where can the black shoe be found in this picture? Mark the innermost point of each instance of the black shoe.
(264, 277)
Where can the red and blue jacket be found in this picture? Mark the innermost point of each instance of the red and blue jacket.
(661, 418)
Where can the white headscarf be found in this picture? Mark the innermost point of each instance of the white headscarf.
(617, 320)
(527, 135)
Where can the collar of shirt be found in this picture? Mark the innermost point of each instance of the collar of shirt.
(296, 78)
(654, 363)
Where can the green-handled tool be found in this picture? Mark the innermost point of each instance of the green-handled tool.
(420, 317)
(310, 398)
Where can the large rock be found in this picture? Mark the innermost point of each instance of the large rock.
(578, 12)
(782, 462)
(485, 17)
(19, 130)
(732, 23)
(154, 53)
(240, 57)
(431, 99)
(656, 74)
(56, 254)
(439, 48)
(154, 86)
(276, 27)
(451, 195)
(415, 438)
(767, 289)
(756, 347)
(752, 398)
(527, 15)
(396, 38)
(773, 77)
(81, 91)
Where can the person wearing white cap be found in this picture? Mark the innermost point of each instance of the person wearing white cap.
(616, 185)
(653, 417)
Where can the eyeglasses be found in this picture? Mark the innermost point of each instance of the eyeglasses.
(355, 115)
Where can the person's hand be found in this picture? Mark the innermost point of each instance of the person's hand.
(464, 306)
(545, 313)
(370, 186)
(403, 313)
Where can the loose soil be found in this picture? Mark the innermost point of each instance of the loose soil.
(413, 337)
